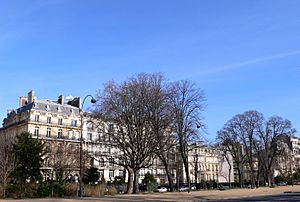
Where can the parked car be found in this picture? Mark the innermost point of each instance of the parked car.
(183, 189)
(297, 182)
(162, 189)
(282, 183)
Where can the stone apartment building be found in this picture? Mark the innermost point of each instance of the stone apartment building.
(58, 124)
(206, 164)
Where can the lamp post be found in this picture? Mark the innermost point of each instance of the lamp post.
(81, 142)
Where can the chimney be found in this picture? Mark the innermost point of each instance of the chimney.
(61, 99)
(31, 97)
(23, 101)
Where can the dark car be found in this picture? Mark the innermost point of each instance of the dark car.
(282, 184)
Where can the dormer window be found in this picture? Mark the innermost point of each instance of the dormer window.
(58, 109)
(47, 107)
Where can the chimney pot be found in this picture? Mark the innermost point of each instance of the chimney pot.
(31, 97)
(61, 99)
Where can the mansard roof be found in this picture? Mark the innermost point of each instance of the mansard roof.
(55, 107)
(47, 106)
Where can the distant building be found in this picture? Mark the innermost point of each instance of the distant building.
(207, 164)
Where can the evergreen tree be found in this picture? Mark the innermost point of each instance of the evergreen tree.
(28, 153)
(150, 181)
(92, 175)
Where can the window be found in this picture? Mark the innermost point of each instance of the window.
(76, 149)
(59, 133)
(74, 122)
(36, 131)
(111, 173)
(111, 128)
(37, 118)
(48, 134)
(60, 121)
(101, 173)
(70, 148)
(111, 161)
(99, 136)
(101, 162)
(47, 162)
(48, 148)
(90, 127)
(48, 119)
(71, 134)
(59, 148)
(121, 173)
(47, 107)
(90, 136)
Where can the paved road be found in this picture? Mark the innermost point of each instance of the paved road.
(282, 197)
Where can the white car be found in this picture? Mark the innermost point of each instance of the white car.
(162, 189)
(183, 189)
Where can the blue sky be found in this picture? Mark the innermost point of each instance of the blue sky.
(243, 54)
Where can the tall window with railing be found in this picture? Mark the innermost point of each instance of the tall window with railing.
(37, 118)
(48, 133)
(59, 133)
(36, 131)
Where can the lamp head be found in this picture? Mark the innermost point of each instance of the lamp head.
(93, 100)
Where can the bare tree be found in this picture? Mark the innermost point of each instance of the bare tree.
(225, 156)
(246, 126)
(229, 142)
(273, 141)
(127, 106)
(7, 162)
(160, 117)
(261, 142)
(64, 159)
(188, 104)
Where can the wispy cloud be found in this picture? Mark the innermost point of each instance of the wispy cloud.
(249, 62)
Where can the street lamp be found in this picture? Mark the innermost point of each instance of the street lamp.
(81, 141)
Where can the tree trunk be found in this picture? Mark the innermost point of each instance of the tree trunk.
(229, 176)
(186, 169)
(170, 180)
(168, 173)
(4, 189)
(130, 181)
(270, 178)
(240, 178)
(136, 182)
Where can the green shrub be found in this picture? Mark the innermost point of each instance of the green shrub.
(58, 190)
(44, 190)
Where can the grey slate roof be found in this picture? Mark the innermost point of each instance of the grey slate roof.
(49, 106)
